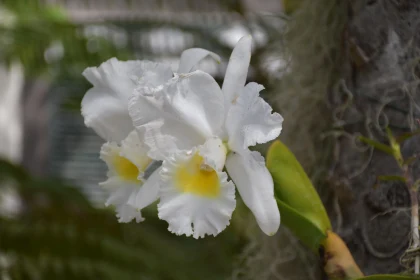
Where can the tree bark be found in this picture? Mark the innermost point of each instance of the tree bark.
(379, 90)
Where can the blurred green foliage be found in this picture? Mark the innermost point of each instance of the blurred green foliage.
(29, 29)
(387, 277)
(57, 234)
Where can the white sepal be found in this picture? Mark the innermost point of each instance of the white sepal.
(255, 185)
(191, 57)
(237, 69)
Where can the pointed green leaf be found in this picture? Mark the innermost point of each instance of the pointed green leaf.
(410, 160)
(407, 135)
(377, 145)
(387, 277)
(304, 229)
(416, 184)
(395, 146)
(294, 189)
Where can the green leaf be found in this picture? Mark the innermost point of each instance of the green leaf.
(387, 277)
(293, 188)
(304, 229)
(395, 146)
(56, 14)
(416, 184)
(377, 145)
(391, 178)
(407, 135)
(411, 159)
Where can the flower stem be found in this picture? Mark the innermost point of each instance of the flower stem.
(414, 216)
(415, 227)
(338, 261)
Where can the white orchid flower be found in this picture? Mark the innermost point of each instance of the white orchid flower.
(127, 163)
(105, 106)
(105, 110)
(196, 197)
(197, 129)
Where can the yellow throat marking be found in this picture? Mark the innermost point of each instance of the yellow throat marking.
(197, 178)
(126, 169)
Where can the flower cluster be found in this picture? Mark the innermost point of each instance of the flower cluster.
(180, 138)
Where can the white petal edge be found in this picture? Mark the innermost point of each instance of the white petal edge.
(184, 112)
(214, 153)
(122, 77)
(119, 193)
(133, 149)
(109, 151)
(125, 214)
(191, 57)
(147, 193)
(162, 145)
(237, 69)
(106, 114)
(255, 185)
(250, 121)
(191, 214)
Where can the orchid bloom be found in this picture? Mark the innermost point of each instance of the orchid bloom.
(197, 129)
(127, 163)
(105, 110)
(105, 106)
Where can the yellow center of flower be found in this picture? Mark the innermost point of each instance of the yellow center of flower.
(126, 169)
(197, 178)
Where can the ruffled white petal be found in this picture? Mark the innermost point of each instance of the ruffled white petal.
(127, 213)
(193, 210)
(120, 78)
(255, 185)
(191, 57)
(105, 106)
(237, 69)
(147, 193)
(250, 121)
(167, 136)
(180, 115)
(120, 191)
